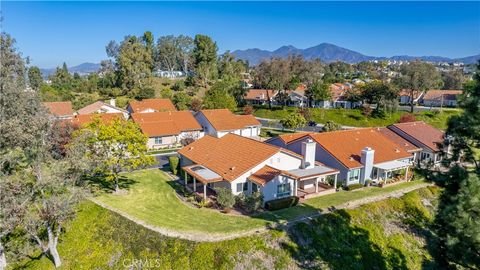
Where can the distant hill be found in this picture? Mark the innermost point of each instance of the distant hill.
(329, 53)
(82, 69)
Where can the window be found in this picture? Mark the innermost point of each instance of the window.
(283, 190)
(354, 175)
(254, 187)
(242, 187)
(158, 140)
(425, 156)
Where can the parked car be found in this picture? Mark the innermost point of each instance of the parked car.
(312, 123)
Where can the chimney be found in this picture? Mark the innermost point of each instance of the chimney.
(308, 153)
(367, 161)
(112, 102)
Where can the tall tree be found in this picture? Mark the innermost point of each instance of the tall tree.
(418, 76)
(219, 98)
(205, 58)
(149, 43)
(293, 121)
(378, 92)
(453, 79)
(318, 91)
(168, 53)
(115, 147)
(35, 78)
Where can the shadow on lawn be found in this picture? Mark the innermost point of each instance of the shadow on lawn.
(331, 241)
(99, 182)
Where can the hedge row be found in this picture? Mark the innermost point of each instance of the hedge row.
(281, 203)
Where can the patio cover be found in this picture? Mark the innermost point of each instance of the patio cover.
(392, 165)
(300, 174)
(203, 174)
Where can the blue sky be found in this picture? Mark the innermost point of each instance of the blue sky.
(76, 32)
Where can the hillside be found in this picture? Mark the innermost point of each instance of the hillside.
(390, 234)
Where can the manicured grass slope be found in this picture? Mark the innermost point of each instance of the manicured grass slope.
(356, 119)
(152, 199)
(389, 234)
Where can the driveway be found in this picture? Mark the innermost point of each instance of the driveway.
(161, 160)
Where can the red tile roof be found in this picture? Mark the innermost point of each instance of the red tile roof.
(94, 107)
(422, 132)
(442, 94)
(264, 175)
(166, 123)
(260, 94)
(82, 119)
(224, 119)
(289, 137)
(229, 156)
(394, 137)
(63, 108)
(156, 104)
(346, 146)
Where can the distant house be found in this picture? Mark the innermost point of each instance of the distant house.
(151, 105)
(219, 122)
(168, 129)
(404, 96)
(423, 136)
(358, 154)
(59, 110)
(260, 96)
(102, 107)
(438, 98)
(298, 97)
(244, 165)
(339, 95)
(81, 120)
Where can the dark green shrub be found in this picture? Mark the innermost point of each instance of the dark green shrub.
(281, 203)
(225, 198)
(174, 164)
(354, 186)
(254, 202)
(379, 113)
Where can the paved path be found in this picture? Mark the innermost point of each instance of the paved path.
(215, 237)
(275, 124)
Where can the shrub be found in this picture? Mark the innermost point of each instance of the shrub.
(225, 198)
(367, 110)
(247, 110)
(379, 113)
(281, 203)
(306, 113)
(354, 186)
(254, 202)
(407, 117)
(174, 164)
(196, 104)
(331, 126)
(240, 200)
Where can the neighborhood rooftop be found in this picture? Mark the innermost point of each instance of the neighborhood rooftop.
(224, 119)
(153, 104)
(166, 123)
(83, 119)
(62, 108)
(422, 132)
(442, 94)
(394, 137)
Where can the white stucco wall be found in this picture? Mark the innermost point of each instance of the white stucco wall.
(269, 191)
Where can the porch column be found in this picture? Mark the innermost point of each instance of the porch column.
(295, 185)
(186, 178)
(194, 184)
(385, 176)
(335, 182)
(316, 185)
(205, 191)
(406, 174)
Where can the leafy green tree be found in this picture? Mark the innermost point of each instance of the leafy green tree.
(293, 121)
(457, 222)
(418, 76)
(149, 43)
(115, 147)
(229, 68)
(225, 198)
(35, 78)
(218, 98)
(282, 98)
(181, 100)
(61, 79)
(205, 58)
(318, 91)
(331, 126)
(378, 92)
(453, 79)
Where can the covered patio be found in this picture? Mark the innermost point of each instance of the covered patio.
(313, 182)
(204, 176)
(392, 170)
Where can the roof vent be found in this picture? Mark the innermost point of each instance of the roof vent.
(351, 159)
(191, 148)
(232, 168)
(397, 150)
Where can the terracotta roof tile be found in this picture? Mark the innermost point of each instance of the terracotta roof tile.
(224, 119)
(259, 94)
(63, 108)
(422, 132)
(82, 119)
(264, 175)
(166, 123)
(394, 137)
(229, 156)
(94, 107)
(445, 94)
(346, 146)
(289, 137)
(156, 104)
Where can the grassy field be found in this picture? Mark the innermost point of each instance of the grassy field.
(374, 236)
(355, 117)
(152, 199)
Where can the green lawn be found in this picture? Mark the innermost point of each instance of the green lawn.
(152, 199)
(162, 151)
(355, 117)
(323, 202)
(270, 132)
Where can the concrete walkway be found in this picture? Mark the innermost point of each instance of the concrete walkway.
(215, 237)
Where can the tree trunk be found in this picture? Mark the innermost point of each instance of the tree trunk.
(3, 258)
(117, 189)
(52, 247)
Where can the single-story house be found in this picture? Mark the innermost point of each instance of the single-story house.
(151, 105)
(423, 136)
(260, 96)
(219, 122)
(298, 97)
(338, 98)
(402, 142)
(59, 110)
(404, 96)
(102, 107)
(105, 118)
(359, 154)
(244, 165)
(168, 129)
(438, 98)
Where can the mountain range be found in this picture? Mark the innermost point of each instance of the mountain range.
(329, 53)
(82, 69)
